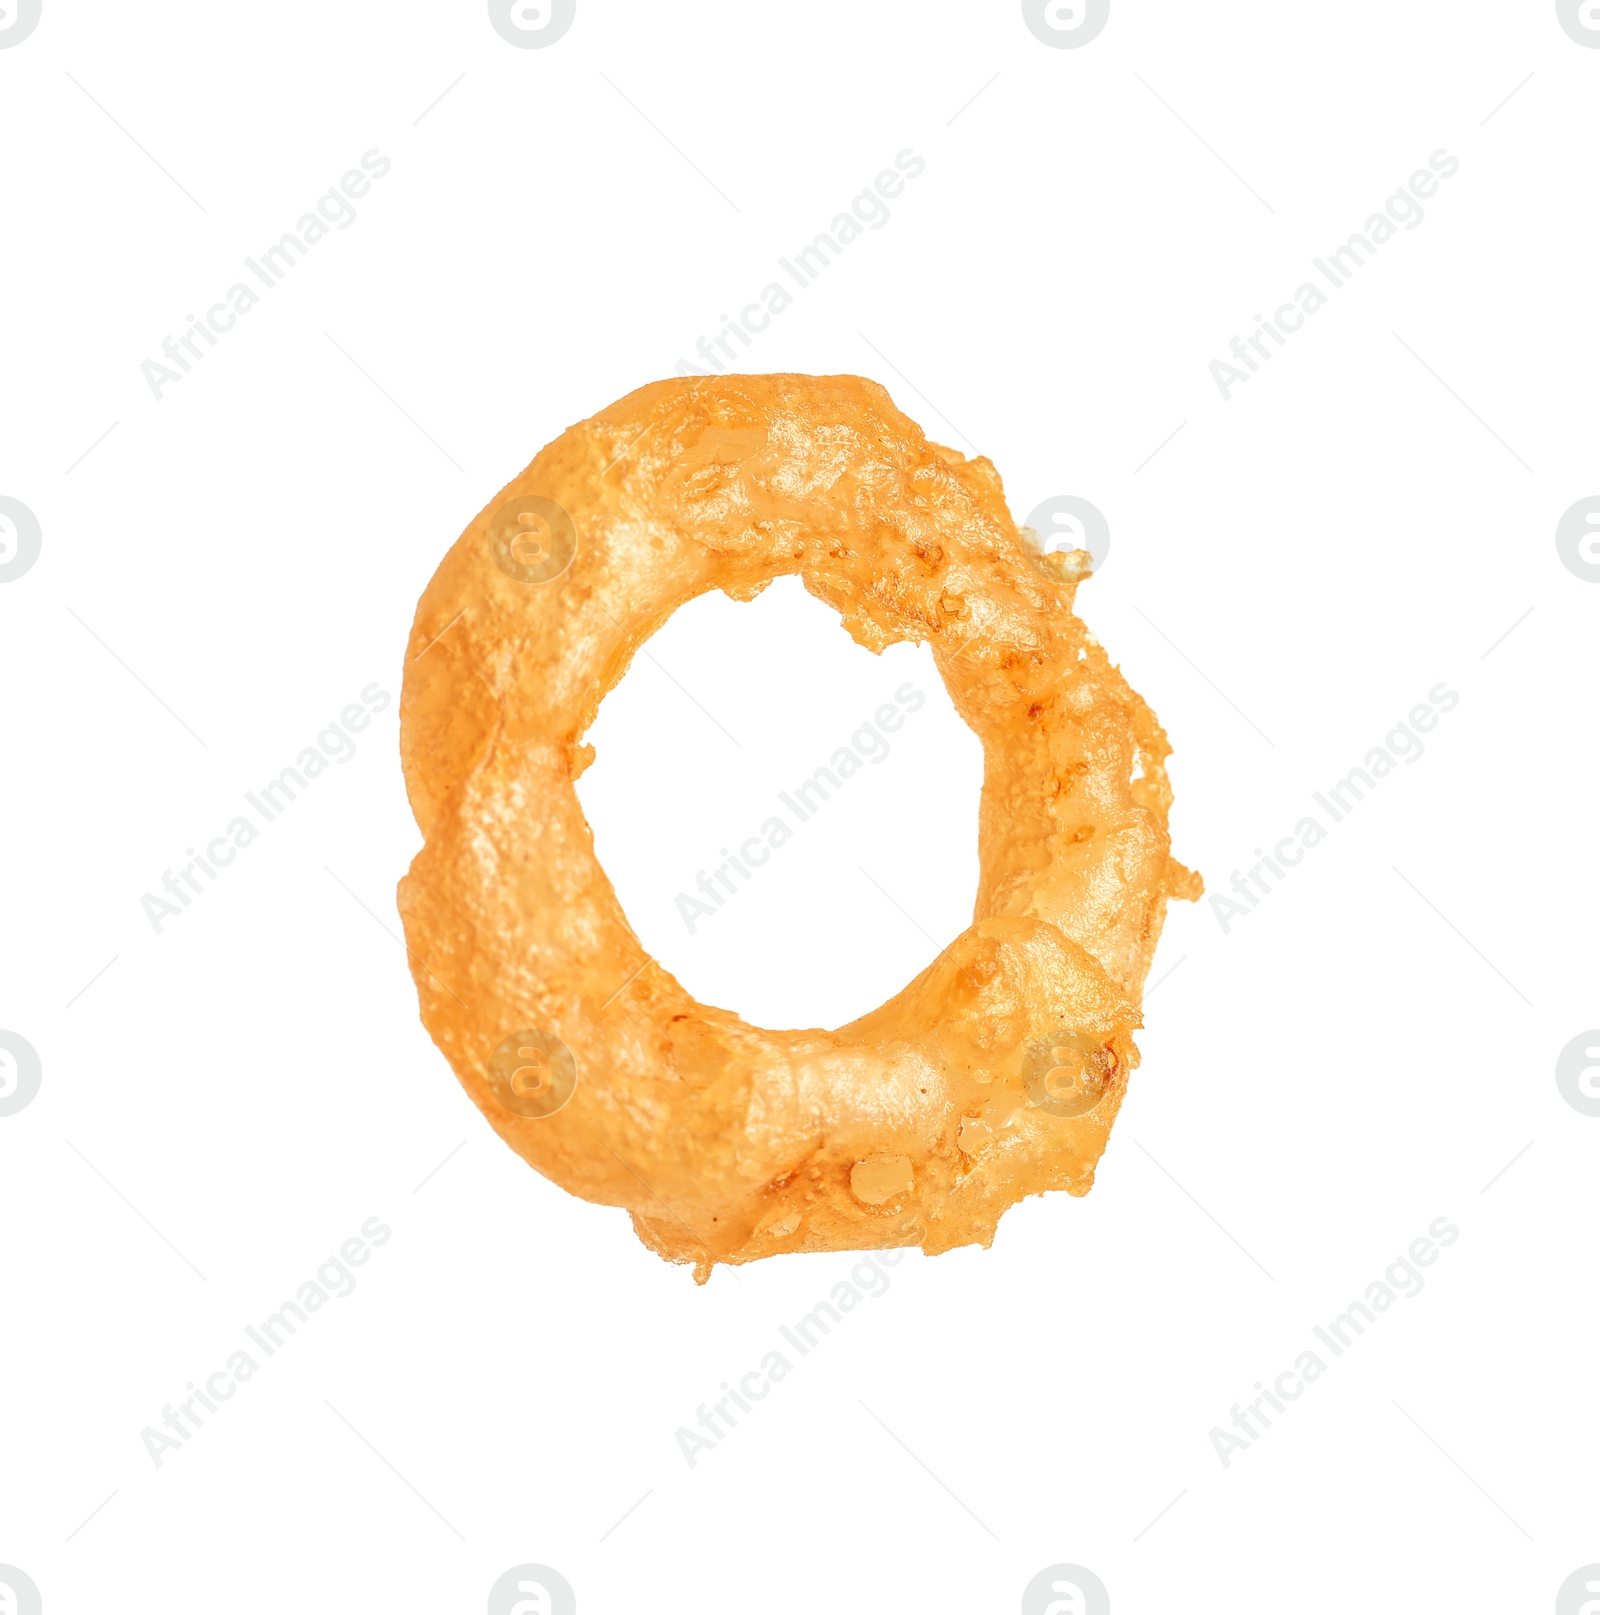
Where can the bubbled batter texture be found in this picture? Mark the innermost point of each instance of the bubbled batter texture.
(727, 1142)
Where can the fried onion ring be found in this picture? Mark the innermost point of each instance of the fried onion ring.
(998, 1071)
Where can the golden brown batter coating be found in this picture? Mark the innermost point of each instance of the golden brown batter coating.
(998, 1071)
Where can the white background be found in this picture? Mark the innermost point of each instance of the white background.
(1295, 569)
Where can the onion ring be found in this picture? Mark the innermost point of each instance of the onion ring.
(998, 1071)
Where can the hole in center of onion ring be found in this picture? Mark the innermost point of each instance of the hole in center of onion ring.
(789, 821)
